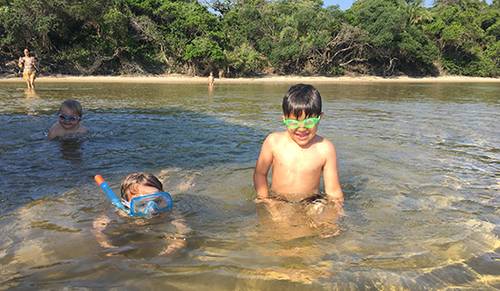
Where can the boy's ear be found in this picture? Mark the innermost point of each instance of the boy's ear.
(321, 114)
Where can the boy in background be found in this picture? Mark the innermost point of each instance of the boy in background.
(69, 123)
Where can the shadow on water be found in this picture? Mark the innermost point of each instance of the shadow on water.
(71, 150)
(121, 141)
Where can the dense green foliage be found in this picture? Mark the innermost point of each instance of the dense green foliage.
(251, 37)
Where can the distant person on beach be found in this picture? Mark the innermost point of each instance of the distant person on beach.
(29, 66)
(211, 80)
(298, 157)
(69, 121)
(138, 185)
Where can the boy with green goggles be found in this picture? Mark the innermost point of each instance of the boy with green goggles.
(298, 158)
(307, 123)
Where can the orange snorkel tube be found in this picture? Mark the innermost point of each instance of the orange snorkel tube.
(109, 192)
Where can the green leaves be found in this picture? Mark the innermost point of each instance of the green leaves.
(245, 60)
(250, 37)
(466, 32)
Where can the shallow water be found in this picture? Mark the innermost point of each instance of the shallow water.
(419, 165)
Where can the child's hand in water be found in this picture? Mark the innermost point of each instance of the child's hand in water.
(324, 206)
(323, 215)
(178, 241)
(98, 227)
(274, 208)
(175, 244)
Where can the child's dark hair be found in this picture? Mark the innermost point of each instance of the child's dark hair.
(73, 105)
(302, 98)
(144, 179)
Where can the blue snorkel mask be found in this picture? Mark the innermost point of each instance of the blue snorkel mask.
(139, 206)
(148, 205)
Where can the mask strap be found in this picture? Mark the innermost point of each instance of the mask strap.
(125, 203)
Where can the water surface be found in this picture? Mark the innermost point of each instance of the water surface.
(419, 165)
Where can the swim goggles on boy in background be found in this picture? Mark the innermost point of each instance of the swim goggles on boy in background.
(139, 206)
(69, 118)
(307, 123)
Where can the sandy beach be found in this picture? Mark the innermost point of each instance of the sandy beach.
(181, 79)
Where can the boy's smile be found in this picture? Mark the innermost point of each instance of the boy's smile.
(301, 135)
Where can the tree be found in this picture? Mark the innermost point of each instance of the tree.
(248, 37)
(467, 36)
(395, 37)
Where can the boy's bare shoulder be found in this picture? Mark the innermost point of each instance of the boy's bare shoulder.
(275, 137)
(54, 131)
(83, 129)
(55, 128)
(325, 145)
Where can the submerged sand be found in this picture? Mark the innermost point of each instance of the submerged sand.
(266, 79)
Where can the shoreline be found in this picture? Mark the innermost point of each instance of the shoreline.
(183, 79)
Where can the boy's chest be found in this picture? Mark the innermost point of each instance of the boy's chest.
(299, 160)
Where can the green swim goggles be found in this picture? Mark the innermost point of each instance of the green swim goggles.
(307, 123)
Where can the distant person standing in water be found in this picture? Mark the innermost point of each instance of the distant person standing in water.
(29, 65)
(211, 80)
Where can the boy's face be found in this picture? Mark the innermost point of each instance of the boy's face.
(141, 190)
(68, 119)
(301, 134)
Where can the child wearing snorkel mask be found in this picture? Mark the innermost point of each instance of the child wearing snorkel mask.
(141, 196)
(69, 121)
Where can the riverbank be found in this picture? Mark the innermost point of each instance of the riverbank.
(180, 79)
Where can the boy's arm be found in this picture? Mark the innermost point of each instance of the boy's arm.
(331, 176)
(83, 129)
(53, 131)
(262, 168)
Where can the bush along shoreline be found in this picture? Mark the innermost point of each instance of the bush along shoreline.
(235, 38)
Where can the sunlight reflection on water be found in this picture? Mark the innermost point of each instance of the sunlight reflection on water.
(419, 166)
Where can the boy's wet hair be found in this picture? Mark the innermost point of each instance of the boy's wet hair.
(302, 98)
(144, 179)
(73, 105)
